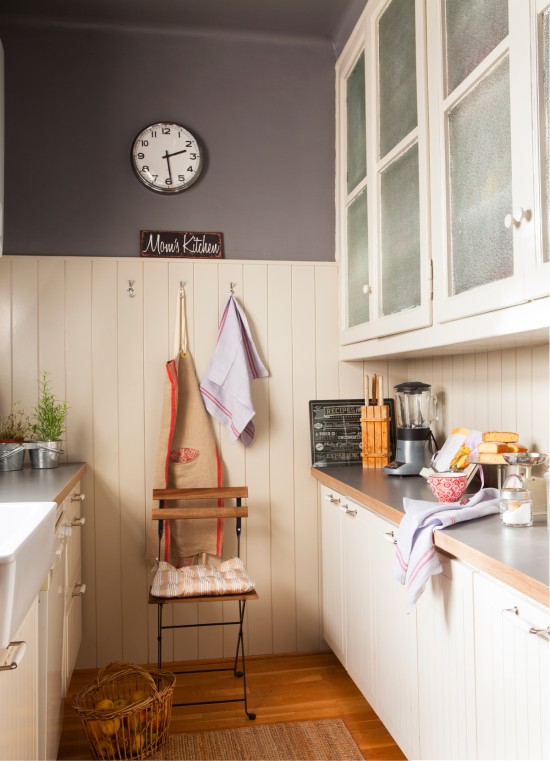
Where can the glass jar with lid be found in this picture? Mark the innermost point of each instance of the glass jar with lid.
(516, 503)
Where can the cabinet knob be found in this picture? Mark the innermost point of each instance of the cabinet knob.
(78, 522)
(79, 590)
(516, 217)
(78, 497)
(367, 289)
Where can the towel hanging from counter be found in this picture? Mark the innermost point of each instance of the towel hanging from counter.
(187, 457)
(225, 388)
(415, 556)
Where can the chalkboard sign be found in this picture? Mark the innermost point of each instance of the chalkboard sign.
(180, 245)
(335, 428)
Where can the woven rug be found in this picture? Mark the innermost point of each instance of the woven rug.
(325, 740)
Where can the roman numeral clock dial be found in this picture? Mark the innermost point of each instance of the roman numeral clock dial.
(166, 157)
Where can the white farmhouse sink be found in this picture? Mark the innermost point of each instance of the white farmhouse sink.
(27, 544)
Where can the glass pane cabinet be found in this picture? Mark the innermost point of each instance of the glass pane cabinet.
(486, 214)
(382, 174)
(450, 222)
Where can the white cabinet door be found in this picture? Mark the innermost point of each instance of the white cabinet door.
(74, 588)
(484, 174)
(331, 562)
(356, 552)
(19, 697)
(512, 673)
(382, 173)
(394, 644)
(446, 664)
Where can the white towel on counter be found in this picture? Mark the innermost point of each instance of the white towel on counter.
(415, 556)
(225, 388)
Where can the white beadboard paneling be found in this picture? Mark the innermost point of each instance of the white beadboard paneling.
(281, 466)
(79, 435)
(24, 290)
(108, 555)
(258, 547)
(108, 355)
(6, 399)
(307, 530)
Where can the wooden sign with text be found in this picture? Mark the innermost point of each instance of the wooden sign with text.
(180, 245)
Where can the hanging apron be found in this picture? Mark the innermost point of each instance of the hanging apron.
(187, 457)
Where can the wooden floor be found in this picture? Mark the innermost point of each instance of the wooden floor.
(281, 688)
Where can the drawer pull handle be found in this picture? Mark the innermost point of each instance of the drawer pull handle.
(17, 658)
(389, 536)
(78, 522)
(79, 590)
(350, 510)
(78, 497)
(525, 625)
(334, 500)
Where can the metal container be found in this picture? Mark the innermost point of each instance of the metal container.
(12, 456)
(45, 454)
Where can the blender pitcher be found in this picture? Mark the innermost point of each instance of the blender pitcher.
(416, 409)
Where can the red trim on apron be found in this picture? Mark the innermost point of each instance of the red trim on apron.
(172, 370)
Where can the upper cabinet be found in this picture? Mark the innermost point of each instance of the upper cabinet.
(382, 173)
(484, 144)
(442, 166)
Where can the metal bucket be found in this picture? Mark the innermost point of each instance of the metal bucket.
(45, 454)
(12, 456)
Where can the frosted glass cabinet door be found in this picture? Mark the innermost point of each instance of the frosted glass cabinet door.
(483, 155)
(383, 205)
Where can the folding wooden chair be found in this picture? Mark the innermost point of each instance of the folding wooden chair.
(237, 511)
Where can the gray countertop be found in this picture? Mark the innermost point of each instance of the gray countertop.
(517, 556)
(40, 484)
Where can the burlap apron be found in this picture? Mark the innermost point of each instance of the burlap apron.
(187, 457)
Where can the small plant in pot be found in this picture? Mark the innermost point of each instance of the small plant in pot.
(48, 425)
(14, 429)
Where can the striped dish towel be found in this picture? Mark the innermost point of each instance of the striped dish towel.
(415, 556)
(225, 388)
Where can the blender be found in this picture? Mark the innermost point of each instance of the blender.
(416, 409)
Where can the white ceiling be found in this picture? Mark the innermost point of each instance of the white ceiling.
(297, 18)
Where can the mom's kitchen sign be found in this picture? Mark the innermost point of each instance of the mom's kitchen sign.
(181, 245)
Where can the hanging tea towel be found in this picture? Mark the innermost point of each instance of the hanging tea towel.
(415, 556)
(225, 388)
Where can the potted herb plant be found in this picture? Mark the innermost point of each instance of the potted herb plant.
(48, 425)
(14, 429)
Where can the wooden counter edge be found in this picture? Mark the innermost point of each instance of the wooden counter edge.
(528, 586)
(74, 479)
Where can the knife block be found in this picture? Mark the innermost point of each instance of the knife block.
(375, 436)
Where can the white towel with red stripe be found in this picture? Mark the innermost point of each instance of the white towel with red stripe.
(415, 556)
(225, 388)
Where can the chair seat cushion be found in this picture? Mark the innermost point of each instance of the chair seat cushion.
(230, 577)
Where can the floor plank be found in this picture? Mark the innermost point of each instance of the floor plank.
(281, 688)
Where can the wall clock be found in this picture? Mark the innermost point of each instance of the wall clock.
(166, 157)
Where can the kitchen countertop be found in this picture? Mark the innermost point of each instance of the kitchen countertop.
(518, 557)
(40, 484)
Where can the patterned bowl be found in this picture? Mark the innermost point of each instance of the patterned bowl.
(448, 487)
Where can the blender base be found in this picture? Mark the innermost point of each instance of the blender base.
(397, 468)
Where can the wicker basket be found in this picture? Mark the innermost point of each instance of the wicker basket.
(135, 719)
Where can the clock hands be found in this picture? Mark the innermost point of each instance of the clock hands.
(167, 157)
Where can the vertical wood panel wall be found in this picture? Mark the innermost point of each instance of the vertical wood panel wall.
(105, 353)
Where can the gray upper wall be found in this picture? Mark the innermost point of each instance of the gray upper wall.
(76, 97)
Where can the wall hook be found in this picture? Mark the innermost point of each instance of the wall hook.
(182, 289)
(130, 290)
(231, 287)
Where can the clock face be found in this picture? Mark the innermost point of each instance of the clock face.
(166, 157)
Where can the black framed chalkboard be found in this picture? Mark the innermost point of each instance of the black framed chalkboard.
(335, 430)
